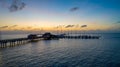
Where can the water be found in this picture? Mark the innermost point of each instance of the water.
(13, 36)
(104, 52)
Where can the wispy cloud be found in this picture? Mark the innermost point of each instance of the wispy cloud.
(83, 26)
(3, 27)
(15, 6)
(69, 26)
(74, 9)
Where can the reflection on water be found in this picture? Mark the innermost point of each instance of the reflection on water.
(63, 53)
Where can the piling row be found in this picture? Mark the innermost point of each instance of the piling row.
(82, 37)
(12, 42)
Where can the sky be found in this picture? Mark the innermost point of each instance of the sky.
(53, 14)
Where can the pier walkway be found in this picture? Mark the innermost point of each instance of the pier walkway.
(46, 36)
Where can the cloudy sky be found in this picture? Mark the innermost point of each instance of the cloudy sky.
(35, 14)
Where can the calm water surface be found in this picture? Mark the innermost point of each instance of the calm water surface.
(104, 52)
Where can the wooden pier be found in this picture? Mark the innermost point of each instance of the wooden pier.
(13, 42)
(46, 36)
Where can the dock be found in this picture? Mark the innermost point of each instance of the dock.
(45, 36)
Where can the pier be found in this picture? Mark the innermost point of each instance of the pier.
(13, 42)
(45, 36)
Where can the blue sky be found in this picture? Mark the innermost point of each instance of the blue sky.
(98, 14)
